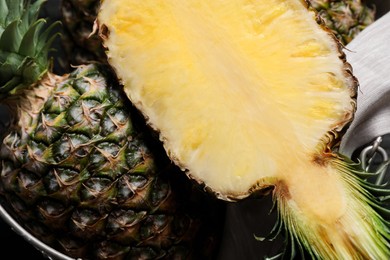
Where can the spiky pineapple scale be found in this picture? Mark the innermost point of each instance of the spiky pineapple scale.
(248, 95)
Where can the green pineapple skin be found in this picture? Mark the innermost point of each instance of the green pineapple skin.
(345, 18)
(78, 168)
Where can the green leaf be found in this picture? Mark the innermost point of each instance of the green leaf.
(34, 8)
(7, 71)
(31, 14)
(3, 13)
(25, 42)
(29, 41)
(9, 65)
(46, 39)
(32, 71)
(15, 10)
(11, 38)
(9, 86)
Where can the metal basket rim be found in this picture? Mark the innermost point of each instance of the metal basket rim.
(46, 250)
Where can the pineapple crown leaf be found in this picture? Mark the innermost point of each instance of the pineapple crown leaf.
(377, 195)
(25, 41)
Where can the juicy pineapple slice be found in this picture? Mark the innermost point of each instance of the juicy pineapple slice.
(248, 95)
(257, 86)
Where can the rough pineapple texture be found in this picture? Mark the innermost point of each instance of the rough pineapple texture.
(346, 18)
(248, 96)
(79, 175)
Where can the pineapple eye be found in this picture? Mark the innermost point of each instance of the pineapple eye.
(62, 98)
(108, 149)
(95, 187)
(122, 219)
(70, 147)
(125, 192)
(92, 87)
(18, 204)
(86, 222)
(49, 128)
(134, 153)
(129, 186)
(115, 121)
(60, 178)
(49, 207)
(108, 126)
(154, 225)
(30, 186)
(84, 116)
(160, 193)
(119, 116)
(7, 170)
(28, 179)
(137, 181)
(71, 243)
(111, 250)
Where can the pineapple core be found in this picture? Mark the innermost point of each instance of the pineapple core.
(240, 91)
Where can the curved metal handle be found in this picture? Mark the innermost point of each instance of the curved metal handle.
(367, 155)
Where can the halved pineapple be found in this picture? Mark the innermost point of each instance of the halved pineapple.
(257, 85)
(248, 95)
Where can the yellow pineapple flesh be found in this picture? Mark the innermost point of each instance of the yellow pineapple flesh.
(248, 95)
(261, 100)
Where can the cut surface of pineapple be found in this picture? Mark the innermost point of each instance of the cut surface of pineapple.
(256, 84)
(249, 95)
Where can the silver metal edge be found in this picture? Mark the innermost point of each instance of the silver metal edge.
(46, 250)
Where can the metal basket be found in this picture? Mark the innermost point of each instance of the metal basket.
(46, 250)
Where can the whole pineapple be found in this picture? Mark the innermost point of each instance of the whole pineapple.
(248, 97)
(78, 169)
(345, 18)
